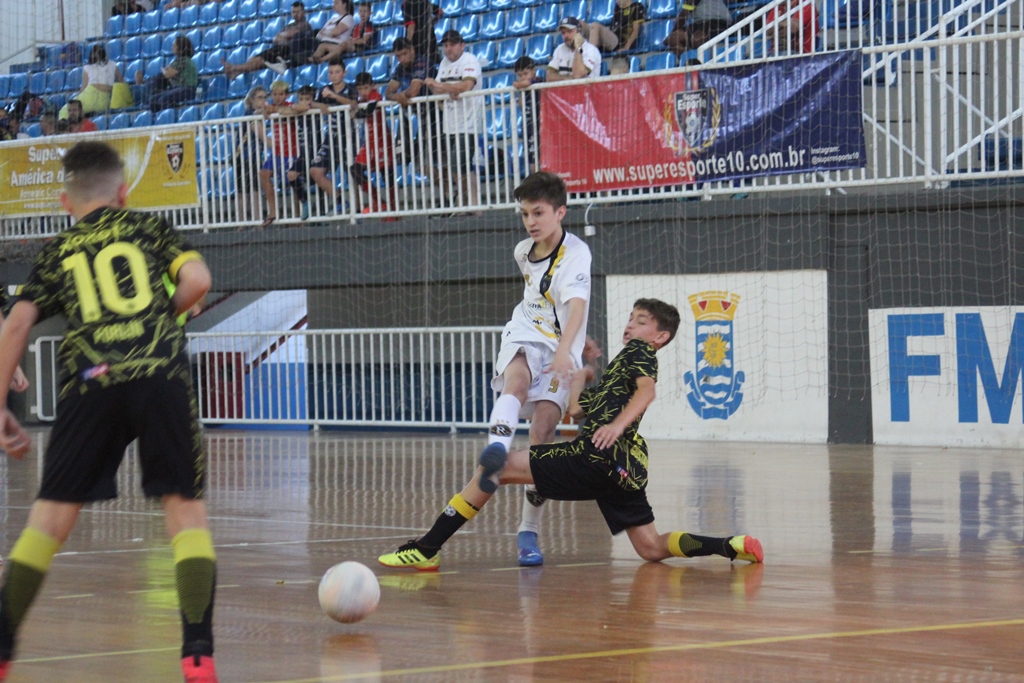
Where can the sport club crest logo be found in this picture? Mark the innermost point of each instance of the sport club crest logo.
(175, 155)
(692, 117)
(714, 390)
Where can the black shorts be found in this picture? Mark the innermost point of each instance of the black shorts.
(460, 151)
(93, 430)
(276, 54)
(330, 155)
(575, 470)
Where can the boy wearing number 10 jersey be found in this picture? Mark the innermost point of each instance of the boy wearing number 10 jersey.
(124, 374)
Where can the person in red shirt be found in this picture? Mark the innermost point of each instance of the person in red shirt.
(798, 30)
(377, 152)
(77, 123)
(284, 147)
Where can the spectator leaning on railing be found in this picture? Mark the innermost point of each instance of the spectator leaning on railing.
(574, 57)
(697, 23)
(798, 31)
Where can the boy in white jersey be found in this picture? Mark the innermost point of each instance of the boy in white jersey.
(541, 346)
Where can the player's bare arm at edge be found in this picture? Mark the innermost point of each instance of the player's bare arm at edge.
(562, 363)
(644, 395)
(13, 340)
(193, 282)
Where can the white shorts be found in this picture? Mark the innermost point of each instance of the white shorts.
(544, 387)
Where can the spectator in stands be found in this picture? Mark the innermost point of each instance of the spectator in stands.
(459, 73)
(526, 75)
(420, 16)
(249, 151)
(284, 150)
(98, 79)
(797, 27)
(77, 122)
(408, 81)
(336, 35)
(697, 23)
(14, 125)
(290, 44)
(176, 83)
(331, 154)
(6, 133)
(624, 31)
(363, 36)
(574, 57)
(48, 124)
(377, 151)
(185, 3)
(131, 6)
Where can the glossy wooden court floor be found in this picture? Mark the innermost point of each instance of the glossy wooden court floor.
(882, 564)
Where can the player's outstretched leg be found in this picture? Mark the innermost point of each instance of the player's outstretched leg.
(422, 553)
(748, 548)
(529, 549)
(492, 460)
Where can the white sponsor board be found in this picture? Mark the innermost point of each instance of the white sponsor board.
(948, 376)
(750, 361)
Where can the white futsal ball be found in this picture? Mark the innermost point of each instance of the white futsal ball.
(349, 592)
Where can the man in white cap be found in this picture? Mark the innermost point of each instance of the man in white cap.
(575, 57)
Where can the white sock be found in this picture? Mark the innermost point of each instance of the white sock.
(531, 513)
(504, 420)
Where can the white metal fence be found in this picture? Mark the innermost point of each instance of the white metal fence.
(402, 377)
(952, 112)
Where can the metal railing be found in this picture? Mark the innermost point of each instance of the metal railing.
(954, 114)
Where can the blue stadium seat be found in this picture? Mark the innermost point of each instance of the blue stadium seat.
(19, 84)
(188, 17)
(150, 22)
(133, 67)
(530, 3)
(662, 9)
(379, 67)
(477, 6)
(114, 49)
(635, 66)
(132, 48)
(222, 148)
(272, 28)
(237, 56)
(152, 69)
(502, 4)
(502, 80)
(34, 130)
(231, 37)
(602, 11)
(52, 56)
(212, 112)
(167, 45)
(441, 26)
(306, 74)
(236, 109)
(58, 99)
(509, 50)
(575, 8)
(211, 38)
(199, 59)
(249, 9)
(55, 81)
(73, 79)
(660, 60)
(120, 121)
(188, 114)
(519, 21)
(211, 62)
(37, 82)
(268, 8)
(492, 26)
(386, 36)
(195, 36)
(452, 8)
(264, 77)
(216, 88)
(497, 123)
(352, 69)
(169, 19)
(252, 32)
(540, 47)
(238, 87)
(321, 75)
(486, 52)
(546, 18)
(228, 11)
(143, 118)
(208, 14)
(468, 27)
(165, 117)
(318, 19)
(5, 85)
(100, 122)
(133, 24)
(152, 46)
(398, 17)
(652, 37)
(380, 12)
(114, 26)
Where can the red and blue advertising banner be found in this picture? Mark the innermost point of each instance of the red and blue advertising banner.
(785, 116)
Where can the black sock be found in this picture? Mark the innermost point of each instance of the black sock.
(692, 545)
(457, 513)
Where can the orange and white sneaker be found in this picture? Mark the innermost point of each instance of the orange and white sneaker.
(747, 548)
(198, 669)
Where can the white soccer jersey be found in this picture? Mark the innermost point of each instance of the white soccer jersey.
(464, 115)
(563, 56)
(550, 284)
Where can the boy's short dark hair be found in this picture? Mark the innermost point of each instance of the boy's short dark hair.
(336, 61)
(307, 90)
(523, 62)
(542, 185)
(298, 3)
(666, 315)
(89, 167)
(400, 44)
(364, 78)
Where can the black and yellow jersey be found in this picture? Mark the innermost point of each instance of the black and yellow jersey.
(3, 298)
(105, 275)
(603, 402)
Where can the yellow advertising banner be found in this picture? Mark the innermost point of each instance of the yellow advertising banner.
(160, 169)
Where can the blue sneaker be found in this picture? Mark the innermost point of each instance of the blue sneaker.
(529, 552)
(492, 459)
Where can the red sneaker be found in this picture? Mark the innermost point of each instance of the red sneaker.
(4, 668)
(198, 669)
